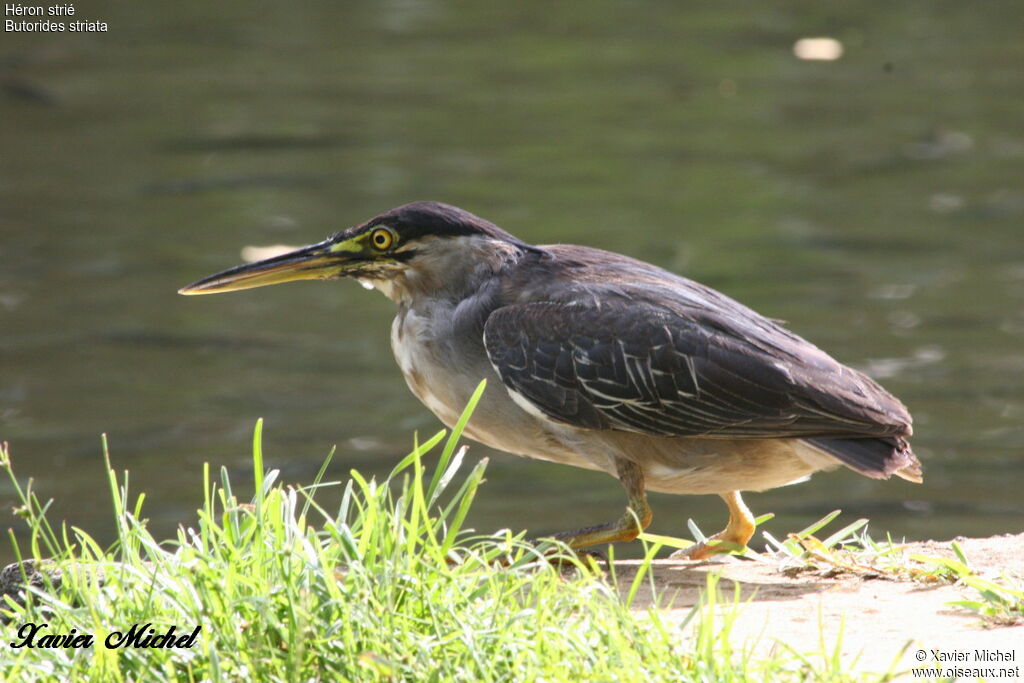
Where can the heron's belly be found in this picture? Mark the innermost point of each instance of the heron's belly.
(694, 465)
(685, 465)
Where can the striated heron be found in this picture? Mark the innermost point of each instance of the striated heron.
(605, 362)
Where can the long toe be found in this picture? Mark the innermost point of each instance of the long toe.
(709, 547)
(737, 533)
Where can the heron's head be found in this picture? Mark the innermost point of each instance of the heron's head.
(416, 247)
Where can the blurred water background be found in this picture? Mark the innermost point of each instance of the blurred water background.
(875, 201)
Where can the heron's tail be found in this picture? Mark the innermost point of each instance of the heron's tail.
(878, 458)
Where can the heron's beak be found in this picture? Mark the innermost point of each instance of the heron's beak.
(323, 261)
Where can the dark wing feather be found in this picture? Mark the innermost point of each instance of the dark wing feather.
(641, 367)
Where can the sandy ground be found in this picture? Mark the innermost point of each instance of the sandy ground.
(886, 625)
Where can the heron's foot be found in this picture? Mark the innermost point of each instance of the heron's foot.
(636, 518)
(737, 533)
(624, 529)
(592, 536)
(710, 546)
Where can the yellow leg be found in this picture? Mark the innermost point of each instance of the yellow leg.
(738, 531)
(627, 527)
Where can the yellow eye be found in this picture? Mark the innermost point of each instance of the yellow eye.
(382, 239)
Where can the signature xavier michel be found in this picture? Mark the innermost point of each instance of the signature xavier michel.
(32, 635)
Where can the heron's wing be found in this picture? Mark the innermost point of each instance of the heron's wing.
(644, 368)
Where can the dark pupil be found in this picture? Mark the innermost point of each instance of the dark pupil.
(381, 239)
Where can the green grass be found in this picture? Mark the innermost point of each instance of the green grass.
(386, 586)
(999, 603)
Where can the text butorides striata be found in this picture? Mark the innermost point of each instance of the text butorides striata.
(602, 361)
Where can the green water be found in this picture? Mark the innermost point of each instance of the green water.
(874, 202)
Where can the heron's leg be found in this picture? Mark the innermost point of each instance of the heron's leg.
(627, 527)
(738, 531)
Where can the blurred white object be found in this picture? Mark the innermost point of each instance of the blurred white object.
(818, 49)
(253, 253)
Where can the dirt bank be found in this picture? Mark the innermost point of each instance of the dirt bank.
(885, 623)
